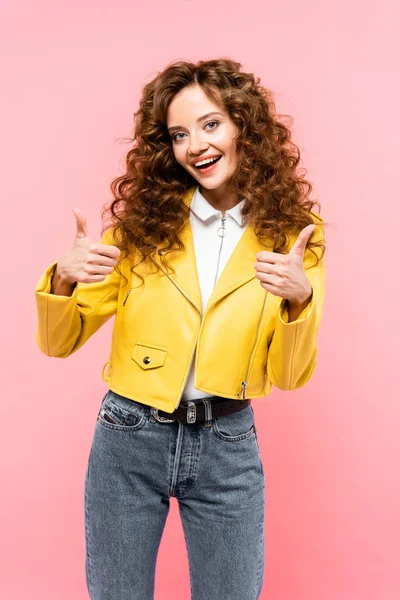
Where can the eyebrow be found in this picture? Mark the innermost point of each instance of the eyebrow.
(197, 120)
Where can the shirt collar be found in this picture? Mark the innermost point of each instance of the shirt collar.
(204, 211)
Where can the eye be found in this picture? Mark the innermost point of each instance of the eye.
(211, 122)
(176, 139)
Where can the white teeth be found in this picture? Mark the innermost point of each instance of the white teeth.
(204, 162)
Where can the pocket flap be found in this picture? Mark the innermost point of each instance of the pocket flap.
(149, 357)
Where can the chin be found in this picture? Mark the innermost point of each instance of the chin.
(212, 185)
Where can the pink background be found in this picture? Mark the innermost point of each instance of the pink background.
(71, 79)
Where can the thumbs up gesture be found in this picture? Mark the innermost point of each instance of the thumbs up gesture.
(283, 274)
(86, 261)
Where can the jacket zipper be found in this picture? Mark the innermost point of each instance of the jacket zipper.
(222, 232)
(244, 382)
(126, 297)
(221, 235)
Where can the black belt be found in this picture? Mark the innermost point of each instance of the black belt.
(195, 411)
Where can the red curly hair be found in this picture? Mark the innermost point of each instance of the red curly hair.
(147, 209)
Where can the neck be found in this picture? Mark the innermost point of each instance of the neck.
(219, 199)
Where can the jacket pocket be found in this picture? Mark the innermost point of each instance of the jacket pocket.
(149, 356)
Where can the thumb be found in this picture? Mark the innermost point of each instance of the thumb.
(81, 225)
(301, 242)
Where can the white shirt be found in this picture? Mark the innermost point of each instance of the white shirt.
(205, 221)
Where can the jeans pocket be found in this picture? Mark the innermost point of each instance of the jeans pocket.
(235, 427)
(120, 413)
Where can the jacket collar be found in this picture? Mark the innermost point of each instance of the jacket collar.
(238, 270)
(204, 211)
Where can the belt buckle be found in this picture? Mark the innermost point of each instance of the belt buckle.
(159, 418)
(191, 412)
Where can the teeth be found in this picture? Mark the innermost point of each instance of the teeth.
(204, 162)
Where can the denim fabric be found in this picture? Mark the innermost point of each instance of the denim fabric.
(212, 468)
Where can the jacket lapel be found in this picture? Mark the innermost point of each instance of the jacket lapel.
(238, 270)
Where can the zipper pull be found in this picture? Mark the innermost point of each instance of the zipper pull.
(222, 230)
(126, 297)
(243, 390)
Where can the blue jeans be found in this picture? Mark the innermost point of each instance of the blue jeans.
(214, 470)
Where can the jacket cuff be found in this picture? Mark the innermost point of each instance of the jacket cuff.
(44, 286)
(283, 314)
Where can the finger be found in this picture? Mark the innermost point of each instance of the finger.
(270, 288)
(104, 260)
(301, 242)
(96, 269)
(106, 250)
(269, 257)
(81, 225)
(266, 267)
(268, 278)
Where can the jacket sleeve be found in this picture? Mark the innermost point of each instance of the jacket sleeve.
(293, 349)
(65, 323)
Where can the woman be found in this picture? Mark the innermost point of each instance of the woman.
(214, 269)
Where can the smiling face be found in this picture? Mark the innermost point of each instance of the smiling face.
(200, 128)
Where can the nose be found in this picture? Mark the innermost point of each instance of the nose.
(197, 145)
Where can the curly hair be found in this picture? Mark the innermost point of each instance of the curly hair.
(147, 209)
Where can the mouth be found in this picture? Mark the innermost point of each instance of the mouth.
(208, 167)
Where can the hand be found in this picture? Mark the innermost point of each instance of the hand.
(87, 261)
(283, 274)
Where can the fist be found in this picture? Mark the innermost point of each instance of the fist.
(283, 274)
(86, 261)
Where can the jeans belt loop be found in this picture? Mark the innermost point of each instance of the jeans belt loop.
(208, 412)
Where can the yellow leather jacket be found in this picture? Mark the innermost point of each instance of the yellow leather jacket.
(245, 343)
